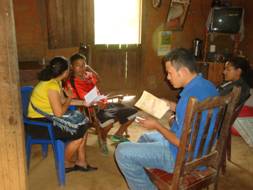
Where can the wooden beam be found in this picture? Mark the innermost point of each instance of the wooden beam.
(12, 156)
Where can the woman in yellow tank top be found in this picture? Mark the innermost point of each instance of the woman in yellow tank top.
(48, 97)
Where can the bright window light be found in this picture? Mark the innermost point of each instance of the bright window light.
(117, 21)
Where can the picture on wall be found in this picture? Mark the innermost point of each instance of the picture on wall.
(177, 14)
(164, 43)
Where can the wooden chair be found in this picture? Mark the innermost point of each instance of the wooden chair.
(102, 134)
(187, 173)
(91, 113)
(227, 153)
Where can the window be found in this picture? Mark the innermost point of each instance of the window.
(117, 21)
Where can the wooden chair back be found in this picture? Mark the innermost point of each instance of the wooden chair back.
(227, 153)
(238, 110)
(206, 127)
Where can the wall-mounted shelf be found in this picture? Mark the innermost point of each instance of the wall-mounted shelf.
(210, 67)
(212, 71)
(223, 43)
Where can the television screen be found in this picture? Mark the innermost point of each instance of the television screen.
(226, 19)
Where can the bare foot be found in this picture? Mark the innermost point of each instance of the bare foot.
(69, 164)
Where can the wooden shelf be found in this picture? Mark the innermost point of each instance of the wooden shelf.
(219, 33)
(212, 71)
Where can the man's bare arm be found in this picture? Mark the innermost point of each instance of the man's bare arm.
(151, 124)
(172, 106)
(168, 135)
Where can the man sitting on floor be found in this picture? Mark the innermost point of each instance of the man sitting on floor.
(81, 82)
(159, 149)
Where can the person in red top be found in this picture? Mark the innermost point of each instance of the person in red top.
(81, 81)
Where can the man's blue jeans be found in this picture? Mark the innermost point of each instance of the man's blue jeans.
(151, 150)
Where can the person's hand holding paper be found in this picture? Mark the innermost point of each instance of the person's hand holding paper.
(149, 123)
(93, 96)
(172, 105)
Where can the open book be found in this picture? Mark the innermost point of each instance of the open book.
(93, 96)
(152, 105)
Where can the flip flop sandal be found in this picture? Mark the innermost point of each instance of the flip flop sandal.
(71, 169)
(118, 139)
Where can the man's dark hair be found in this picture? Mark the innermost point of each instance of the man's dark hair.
(181, 57)
(242, 63)
(73, 58)
(76, 57)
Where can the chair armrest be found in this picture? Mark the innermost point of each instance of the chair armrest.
(72, 108)
(119, 96)
(78, 103)
(37, 123)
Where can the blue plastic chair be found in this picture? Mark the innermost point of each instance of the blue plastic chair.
(58, 145)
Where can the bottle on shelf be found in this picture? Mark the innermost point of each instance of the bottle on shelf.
(197, 48)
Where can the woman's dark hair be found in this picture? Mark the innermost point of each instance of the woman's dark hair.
(76, 57)
(55, 68)
(246, 71)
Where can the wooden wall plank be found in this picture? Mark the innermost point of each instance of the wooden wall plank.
(59, 9)
(118, 68)
(66, 23)
(81, 16)
(74, 23)
(51, 19)
(12, 153)
(67, 19)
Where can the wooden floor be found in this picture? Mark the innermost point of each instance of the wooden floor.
(42, 175)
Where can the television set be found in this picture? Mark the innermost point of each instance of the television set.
(226, 20)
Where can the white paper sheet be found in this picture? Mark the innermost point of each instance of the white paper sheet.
(93, 96)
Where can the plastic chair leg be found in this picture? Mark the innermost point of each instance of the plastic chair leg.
(44, 150)
(28, 151)
(60, 146)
